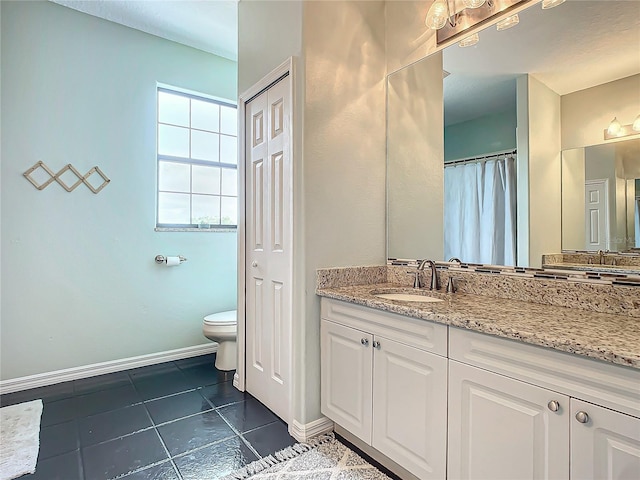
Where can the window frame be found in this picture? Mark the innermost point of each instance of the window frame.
(191, 162)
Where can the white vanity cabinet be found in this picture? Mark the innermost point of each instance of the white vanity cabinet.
(445, 402)
(527, 417)
(382, 382)
(606, 445)
(504, 429)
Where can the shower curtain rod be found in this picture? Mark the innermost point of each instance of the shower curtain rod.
(483, 158)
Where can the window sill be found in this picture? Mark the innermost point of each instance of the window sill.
(190, 229)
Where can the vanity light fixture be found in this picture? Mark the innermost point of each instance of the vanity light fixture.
(551, 3)
(473, 3)
(438, 15)
(617, 130)
(508, 22)
(469, 41)
(614, 127)
(453, 18)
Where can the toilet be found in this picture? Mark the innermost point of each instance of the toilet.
(222, 328)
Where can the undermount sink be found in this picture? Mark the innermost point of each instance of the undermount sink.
(407, 297)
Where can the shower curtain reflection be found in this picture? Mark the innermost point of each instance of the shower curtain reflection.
(480, 211)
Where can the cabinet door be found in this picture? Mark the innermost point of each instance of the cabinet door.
(606, 446)
(410, 407)
(346, 376)
(504, 429)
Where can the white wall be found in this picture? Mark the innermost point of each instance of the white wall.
(587, 113)
(80, 284)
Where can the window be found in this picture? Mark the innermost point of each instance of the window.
(197, 161)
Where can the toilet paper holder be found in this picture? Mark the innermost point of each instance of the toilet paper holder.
(161, 259)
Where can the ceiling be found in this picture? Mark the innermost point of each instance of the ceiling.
(574, 46)
(210, 25)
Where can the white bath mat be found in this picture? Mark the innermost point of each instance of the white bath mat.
(19, 439)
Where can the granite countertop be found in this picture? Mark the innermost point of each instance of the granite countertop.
(602, 336)
(583, 267)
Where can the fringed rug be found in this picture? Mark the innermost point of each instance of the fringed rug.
(322, 458)
(19, 439)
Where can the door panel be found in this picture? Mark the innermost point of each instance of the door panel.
(346, 377)
(502, 429)
(606, 447)
(409, 408)
(269, 255)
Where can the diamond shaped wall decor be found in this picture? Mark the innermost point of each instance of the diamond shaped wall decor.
(57, 177)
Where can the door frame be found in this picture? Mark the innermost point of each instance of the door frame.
(286, 67)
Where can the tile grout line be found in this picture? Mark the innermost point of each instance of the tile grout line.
(164, 446)
(244, 440)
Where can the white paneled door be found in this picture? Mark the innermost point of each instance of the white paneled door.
(269, 248)
(596, 215)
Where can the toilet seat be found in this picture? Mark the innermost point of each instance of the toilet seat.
(222, 319)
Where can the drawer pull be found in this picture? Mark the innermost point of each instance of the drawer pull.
(376, 344)
(553, 405)
(364, 341)
(582, 417)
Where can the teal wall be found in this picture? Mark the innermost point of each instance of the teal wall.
(79, 283)
(483, 135)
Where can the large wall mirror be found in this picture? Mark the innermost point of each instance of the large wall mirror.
(490, 148)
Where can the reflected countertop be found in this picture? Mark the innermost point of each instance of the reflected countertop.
(589, 267)
(602, 336)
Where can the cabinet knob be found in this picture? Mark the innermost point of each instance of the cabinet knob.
(376, 344)
(364, 341)
(553, 405)
(254, 264)
(582, 417)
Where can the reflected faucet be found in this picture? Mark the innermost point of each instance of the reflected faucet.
(434, 273)
(602, 255)
(455, 259)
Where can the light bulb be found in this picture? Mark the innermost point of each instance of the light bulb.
(437, 15)
(614, 127)
(469, 41)
(508, 22)
(636, 124)
(473, 3)
(551, 3)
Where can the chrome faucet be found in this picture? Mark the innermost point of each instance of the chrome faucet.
(434, 273)
(455, 259)
(602, 255)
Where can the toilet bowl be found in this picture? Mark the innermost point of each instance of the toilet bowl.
(221, 328)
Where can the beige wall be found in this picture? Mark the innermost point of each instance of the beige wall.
(573, 177)
(415, 150)
(587, 113)
(544, 172)
(344, 152)
(407, 39)
(339, 148)
(522, 170)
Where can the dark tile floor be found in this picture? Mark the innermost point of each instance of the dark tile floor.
(176, 420)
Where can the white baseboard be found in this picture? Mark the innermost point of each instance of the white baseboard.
(303, 432)
(236, 381)
(75, 373)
